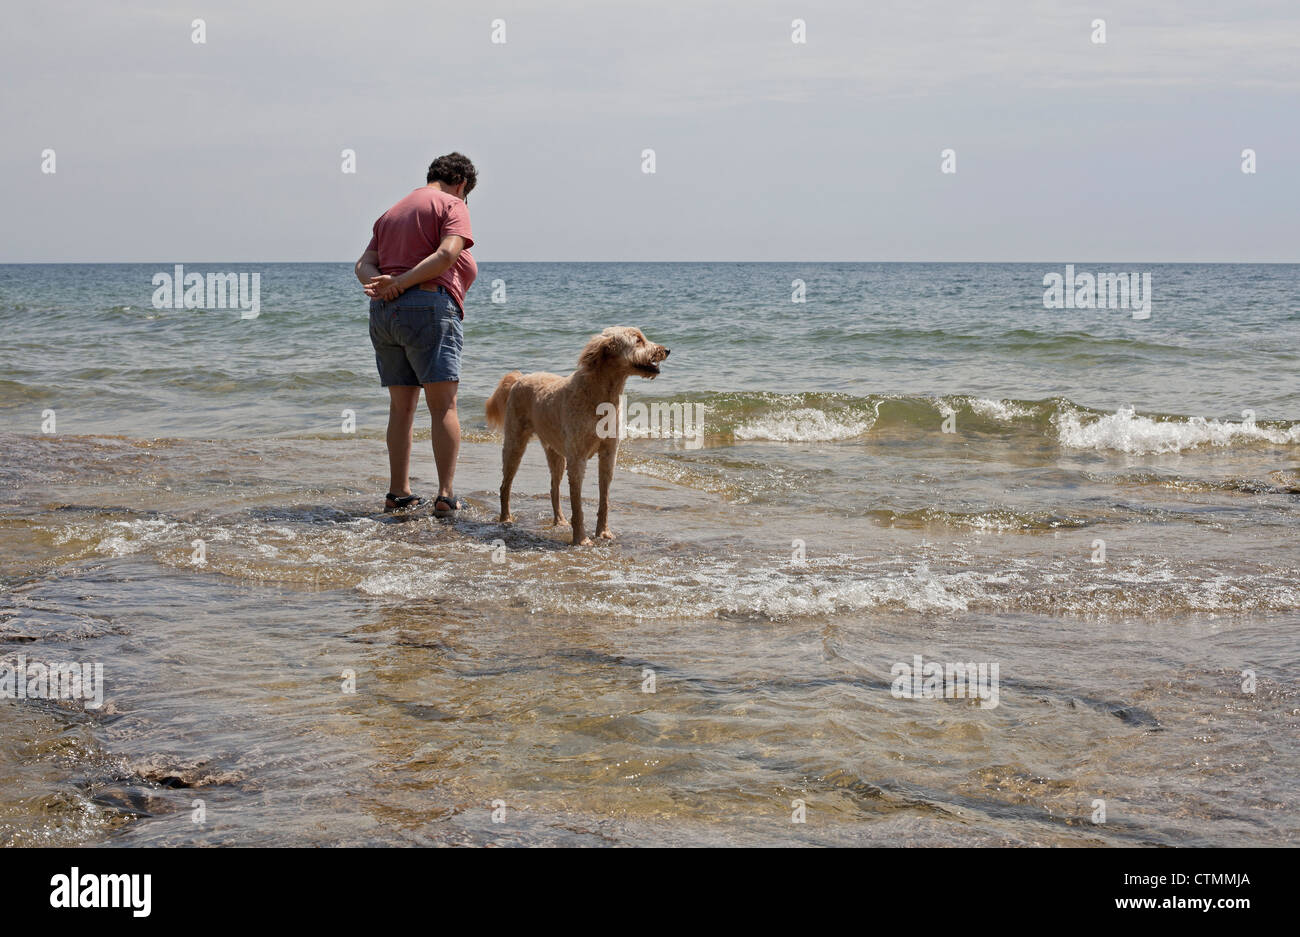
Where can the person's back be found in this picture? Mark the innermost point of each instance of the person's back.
(414, 228)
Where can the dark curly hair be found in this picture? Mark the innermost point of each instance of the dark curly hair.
(453, 169)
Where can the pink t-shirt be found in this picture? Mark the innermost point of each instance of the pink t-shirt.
(412, 230)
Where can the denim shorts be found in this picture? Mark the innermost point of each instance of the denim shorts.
(417, 337)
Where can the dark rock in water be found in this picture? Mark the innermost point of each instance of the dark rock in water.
(432, 713)
(1137, 717)
(135, 801)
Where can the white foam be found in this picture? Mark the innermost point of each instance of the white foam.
(410, 582)
(417, 562)
(917, 590)
(131, 536)
(1002, 410)
(659, 591)
(804, 425)
(1124, 431)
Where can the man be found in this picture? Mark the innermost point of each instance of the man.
(416, 270)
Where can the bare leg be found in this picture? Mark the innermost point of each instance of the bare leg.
(577, 468)
(608, 455)
(511, 452)
(445, 429)
(556, 461)
(402, 402)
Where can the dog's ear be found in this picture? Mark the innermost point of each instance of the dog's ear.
(598, 349)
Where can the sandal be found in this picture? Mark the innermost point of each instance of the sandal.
(401, 502)
(452, 503)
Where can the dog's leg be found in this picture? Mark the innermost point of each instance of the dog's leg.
(511, 453)
(608, 456)
(577, 468)
(556, 461)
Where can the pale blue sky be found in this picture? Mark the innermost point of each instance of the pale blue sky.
(766, 150)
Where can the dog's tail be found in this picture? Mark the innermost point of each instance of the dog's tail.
(496, 405)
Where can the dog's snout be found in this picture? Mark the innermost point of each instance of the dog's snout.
(667, 351)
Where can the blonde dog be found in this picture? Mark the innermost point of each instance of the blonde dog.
(563, 413)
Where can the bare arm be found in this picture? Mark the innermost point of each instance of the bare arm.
(436, 264)
(367, 267)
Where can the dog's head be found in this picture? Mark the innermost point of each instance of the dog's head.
(624, 349)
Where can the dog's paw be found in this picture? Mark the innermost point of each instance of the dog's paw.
(559, 522)
(584, 542)
(506, 519)
(606, 534)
